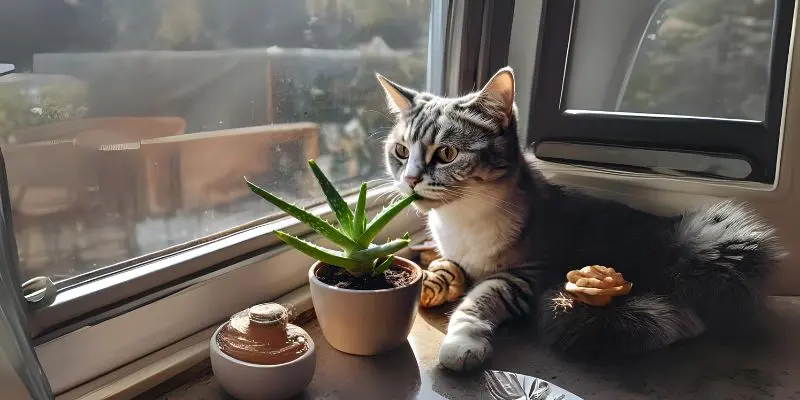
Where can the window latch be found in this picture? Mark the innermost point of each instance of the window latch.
(39, 292)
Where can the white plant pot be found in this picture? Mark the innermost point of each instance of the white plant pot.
(366, 322)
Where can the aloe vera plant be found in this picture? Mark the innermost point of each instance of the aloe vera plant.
(358, 255)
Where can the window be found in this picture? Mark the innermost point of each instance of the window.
(126, 130)
(129, 125)
(679, 87)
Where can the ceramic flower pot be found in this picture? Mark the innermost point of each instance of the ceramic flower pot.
(366, 322)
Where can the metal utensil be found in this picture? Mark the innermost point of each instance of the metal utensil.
(504, 385)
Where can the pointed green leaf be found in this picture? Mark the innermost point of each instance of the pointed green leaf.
(380, 251)
(316, 223)
(383, 266)
(383, 218)
(360, 218)
(327, 256)
(335, 200)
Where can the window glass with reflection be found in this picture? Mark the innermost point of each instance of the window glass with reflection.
(703, 58)
(129, 125)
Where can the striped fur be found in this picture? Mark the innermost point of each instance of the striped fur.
(443, 282)
(516, 235)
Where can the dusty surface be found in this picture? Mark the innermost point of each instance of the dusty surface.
(703, 369)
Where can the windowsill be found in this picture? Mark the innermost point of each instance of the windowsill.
(698, 369)
(578, 174)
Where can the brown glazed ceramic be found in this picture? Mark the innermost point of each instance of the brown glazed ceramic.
(258, 355)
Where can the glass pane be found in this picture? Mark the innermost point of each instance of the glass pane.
(131, 123)
(706, 58)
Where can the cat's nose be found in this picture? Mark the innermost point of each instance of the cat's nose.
(412, 180)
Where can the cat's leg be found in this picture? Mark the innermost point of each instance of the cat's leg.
(491, 302)
(443, 282)
(630, 324)
(725, 254)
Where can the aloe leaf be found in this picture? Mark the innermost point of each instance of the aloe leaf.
(381, 250)
(383, 266)
(327, 256)
(360, 219)
(316, 223)
(382, 219)
(335, 200)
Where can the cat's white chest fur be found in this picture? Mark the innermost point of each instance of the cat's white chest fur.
(474, 233)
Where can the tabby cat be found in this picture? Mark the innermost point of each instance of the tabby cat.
(516, 235)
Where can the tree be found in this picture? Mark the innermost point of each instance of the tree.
(707, 58)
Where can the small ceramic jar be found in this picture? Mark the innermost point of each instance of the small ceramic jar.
(258, 355)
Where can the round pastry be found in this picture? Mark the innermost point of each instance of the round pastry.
(595, 285)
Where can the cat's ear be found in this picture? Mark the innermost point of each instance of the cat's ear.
(398, 98)
(497, 96)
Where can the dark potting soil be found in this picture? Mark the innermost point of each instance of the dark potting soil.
(391, 278)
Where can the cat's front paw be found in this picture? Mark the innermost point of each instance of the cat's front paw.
(443, 282)
(461, 352)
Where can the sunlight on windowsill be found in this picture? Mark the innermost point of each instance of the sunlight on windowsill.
(769, 369)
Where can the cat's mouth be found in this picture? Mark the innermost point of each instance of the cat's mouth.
(422, 198)
(425, 203)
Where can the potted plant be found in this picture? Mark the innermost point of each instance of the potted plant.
(364, 296)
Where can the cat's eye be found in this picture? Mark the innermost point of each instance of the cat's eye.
(446, 154)
(401, 151)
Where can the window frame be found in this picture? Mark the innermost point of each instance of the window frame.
(663, 194)
(120, 290)
(136, 299)
(755, 141)
(110, 291)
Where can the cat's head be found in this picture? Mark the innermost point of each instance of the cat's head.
(443, 148)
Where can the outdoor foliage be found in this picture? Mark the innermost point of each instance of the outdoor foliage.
(704, 57)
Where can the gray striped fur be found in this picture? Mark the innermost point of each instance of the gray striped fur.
(516, 235)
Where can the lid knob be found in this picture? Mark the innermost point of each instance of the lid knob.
(269, 314)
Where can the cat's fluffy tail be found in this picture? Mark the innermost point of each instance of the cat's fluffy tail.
(629, 325)
(725, 254)
(718, 259)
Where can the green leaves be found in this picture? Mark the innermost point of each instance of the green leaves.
(335, 200)
(360, 218)
(382, 267)
(382, 250)
(327, 256)
(354, 236)
(383, 218)
(314, 222)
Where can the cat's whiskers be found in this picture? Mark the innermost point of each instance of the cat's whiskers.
(469, 190)
(499, 203)
(383, 114)
(386, 195)
(379, 181)
(510, 213)
(378, 132)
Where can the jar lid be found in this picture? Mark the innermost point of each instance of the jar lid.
(269, 314)
(262, 335)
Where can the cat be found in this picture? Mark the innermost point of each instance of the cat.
(492, 213)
